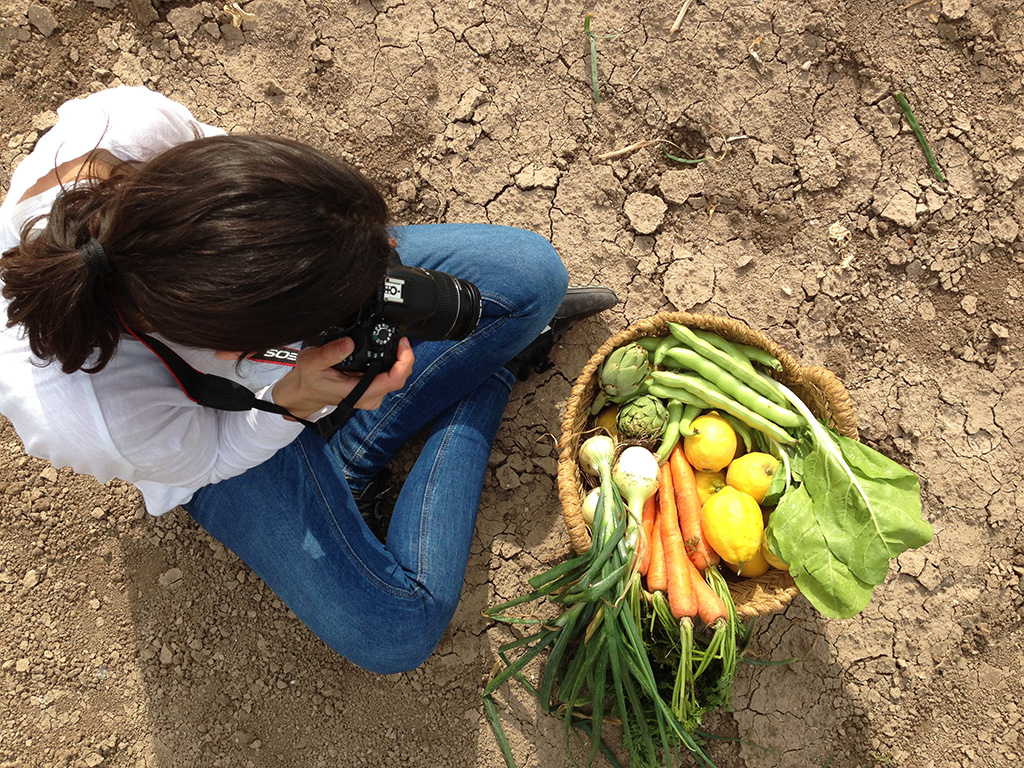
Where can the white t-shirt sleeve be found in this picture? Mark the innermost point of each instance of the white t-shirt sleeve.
(132, 123)
(169, 439)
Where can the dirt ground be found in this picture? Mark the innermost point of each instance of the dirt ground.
(139, 642)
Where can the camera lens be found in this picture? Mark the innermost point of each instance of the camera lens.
(430, 305)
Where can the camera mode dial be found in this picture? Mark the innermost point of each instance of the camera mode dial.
(382, 335)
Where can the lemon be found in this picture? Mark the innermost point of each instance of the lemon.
(731, 522)
(756, 566)
(713, 444)
(607, 419)
(752, 473)
(773, 560)
(708, 484)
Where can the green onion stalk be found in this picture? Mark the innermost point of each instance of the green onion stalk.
(598, 668)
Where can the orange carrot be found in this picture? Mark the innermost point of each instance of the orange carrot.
(710, 607)
(677, 563)
(647, 525)
(657, 576)
(688, 504)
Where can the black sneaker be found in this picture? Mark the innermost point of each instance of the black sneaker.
(580, 302)
(372, 504)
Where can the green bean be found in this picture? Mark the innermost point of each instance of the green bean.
(675, 393)
(667, 343)
(650, 343)
(744, 354)
(732, 386)
(744, 373)
(740, 429)
(678, 426)
(690, 413)
(728, 347)
(708, 392)
(670, 437)
(758, 355)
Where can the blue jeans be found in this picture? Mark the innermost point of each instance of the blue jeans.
(293, 519)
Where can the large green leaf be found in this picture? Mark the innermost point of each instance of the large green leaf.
(795, 535)
(867, 506)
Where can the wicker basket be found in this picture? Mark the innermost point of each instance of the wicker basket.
(818, 387)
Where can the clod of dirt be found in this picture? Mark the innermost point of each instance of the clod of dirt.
(955, 9)
(171, 577)
(680, 186)
(645, 212)
(40, 17)
(901, 210)
(185, 20)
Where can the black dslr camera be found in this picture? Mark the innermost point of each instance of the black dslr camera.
(418, 303)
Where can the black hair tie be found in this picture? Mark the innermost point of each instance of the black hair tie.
(95, 257)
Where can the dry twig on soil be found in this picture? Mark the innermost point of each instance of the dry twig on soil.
(615, 153)
(679, 19)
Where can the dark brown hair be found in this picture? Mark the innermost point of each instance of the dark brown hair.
(234, 243)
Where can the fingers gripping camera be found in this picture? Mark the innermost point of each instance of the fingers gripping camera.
(418, 303)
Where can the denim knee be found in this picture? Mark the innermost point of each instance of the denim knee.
(397, 646)
(538, 272)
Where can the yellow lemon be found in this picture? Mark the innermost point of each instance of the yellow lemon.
(752, 474)
(713, 444)
(773, 560)
(607, 419)
(754, 567)
(731, 522)
(708, 484)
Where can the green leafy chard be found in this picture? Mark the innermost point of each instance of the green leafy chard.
(854, 511)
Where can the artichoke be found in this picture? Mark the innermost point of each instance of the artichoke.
(643, 418)
(624, 371)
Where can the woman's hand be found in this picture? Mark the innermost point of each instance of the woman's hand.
(314, 383)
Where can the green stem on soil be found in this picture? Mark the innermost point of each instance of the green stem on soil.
(921, 139)
(593, 59)
(684, 160)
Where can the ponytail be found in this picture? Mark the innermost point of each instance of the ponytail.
(65, 306)
(237, 243)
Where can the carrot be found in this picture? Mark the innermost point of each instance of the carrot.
(710, 607)
(688, 505)
(677, 563)
(647, 525)
(657, 576)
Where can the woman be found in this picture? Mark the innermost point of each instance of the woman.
(131, 218)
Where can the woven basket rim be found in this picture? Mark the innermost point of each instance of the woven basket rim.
(823, 392)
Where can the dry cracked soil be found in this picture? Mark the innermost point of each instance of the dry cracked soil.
(139, 642)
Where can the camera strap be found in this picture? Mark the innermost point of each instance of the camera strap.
(212, 391)
(335, 420)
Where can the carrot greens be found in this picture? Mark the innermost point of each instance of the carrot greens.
(603, 664)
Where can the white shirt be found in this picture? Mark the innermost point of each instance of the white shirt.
(131, 420)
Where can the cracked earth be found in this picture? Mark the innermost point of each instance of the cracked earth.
(140, 642)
